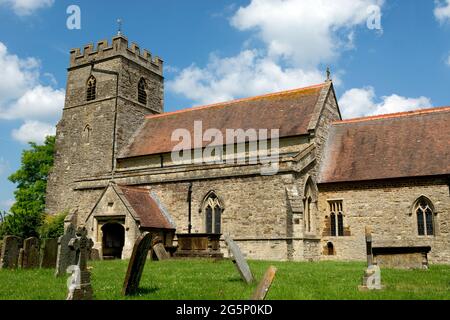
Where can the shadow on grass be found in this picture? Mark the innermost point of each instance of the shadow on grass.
(145, 291)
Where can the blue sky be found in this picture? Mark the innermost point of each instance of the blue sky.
(219, 50)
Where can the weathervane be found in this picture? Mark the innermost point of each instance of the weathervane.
(119, 23)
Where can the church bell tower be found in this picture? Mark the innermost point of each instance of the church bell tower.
(110, 90)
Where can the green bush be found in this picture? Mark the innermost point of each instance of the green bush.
(53, 226)
(21, 224)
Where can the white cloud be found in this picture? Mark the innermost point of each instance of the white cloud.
(23, 97)
(442, 10)
(447, 61)
(33, 131)
(306, 32)
(360, 102)
(298, 36)
(27, 7)
(249, 73)
(37, 103)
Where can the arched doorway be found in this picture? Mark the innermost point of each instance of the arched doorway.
(113, 240)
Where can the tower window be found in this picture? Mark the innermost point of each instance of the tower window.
(425, 217)
(91, 89)
(142, 94)
(336, 219)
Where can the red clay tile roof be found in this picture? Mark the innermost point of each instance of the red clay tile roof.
(290, 111)
(146, 208)
(409, 144)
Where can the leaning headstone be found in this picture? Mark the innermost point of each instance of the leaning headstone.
(239, 261)
(158, 248)
(80, 288)
(65, 256)
(10, 252)
(265, 284)
(372, 275)
(137, 264)
(30, 258)
(49, 252)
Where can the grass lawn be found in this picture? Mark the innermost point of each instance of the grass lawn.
(208, 280)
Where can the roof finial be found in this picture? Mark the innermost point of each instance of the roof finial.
(119, 23)
(328, 74)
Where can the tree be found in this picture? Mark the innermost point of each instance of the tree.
(27, 214)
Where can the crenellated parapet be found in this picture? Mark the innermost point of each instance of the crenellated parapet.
(119, 47)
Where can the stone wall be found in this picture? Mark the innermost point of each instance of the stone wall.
(387, 208)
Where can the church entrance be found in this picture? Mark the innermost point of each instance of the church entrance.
(113, 240)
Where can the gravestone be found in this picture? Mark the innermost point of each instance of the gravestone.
(65, 256)
(158, 248)
(80, 287)
(372, 275)
(137, 264)
(265, 284)
(10, 252)
(49, 252)
(239, 261)
(30, 259)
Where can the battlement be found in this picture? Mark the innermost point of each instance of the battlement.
(119, 47)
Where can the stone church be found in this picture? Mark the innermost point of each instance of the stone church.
(114, 168)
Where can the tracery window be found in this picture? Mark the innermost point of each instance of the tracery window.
(336, 218)
(425, 217)
(213, 214)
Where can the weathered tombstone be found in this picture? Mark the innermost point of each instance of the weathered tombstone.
(158, 248)
(10, 252)
(65, 256)
(239, 261)
(264, 286)
(137, 264)
(81, 288)
(30, 259)
(49, 252)
(372, 275)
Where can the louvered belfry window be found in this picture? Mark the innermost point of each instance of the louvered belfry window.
(142, 94)
(91, 90)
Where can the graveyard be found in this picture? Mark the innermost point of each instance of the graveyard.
(209, 280)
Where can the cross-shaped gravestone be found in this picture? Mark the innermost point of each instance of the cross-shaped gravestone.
(239, 261)
(82, 245)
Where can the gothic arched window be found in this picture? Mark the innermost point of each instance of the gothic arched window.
(142, 93)
(425, 217)
(213, 214)
(309, 206)
(91, 89)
